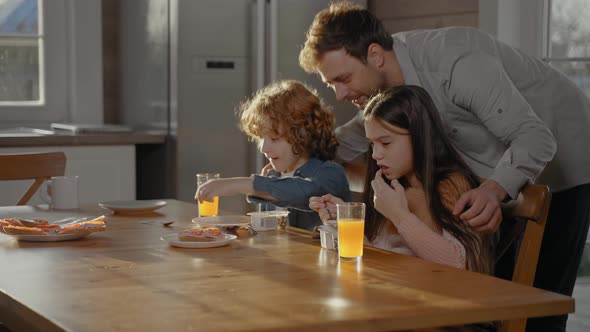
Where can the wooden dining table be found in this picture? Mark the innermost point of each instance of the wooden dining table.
(128, 279)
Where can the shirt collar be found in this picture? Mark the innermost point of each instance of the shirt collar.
(405, 62)
(306, 170)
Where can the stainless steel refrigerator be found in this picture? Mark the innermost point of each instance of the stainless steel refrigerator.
(219, 52)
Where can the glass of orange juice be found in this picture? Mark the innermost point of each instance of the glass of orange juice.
(206, 208)
(351, 230)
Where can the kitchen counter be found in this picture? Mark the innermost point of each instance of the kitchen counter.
(74, 139)
(111, 166)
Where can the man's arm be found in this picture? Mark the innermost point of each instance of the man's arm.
(479, 84)
(352, 141)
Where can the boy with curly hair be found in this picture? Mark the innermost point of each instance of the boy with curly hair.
(295, 132)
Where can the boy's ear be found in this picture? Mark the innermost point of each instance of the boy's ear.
(376, 55)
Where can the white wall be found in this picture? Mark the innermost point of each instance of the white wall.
(84, 32)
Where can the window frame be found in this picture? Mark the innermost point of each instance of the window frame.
(547, 39)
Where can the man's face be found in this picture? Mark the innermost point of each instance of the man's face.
(350, 78)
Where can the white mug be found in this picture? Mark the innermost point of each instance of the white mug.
(62, 193)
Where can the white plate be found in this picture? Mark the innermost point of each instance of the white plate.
(173, 240)
(49, 238)
(223, 221)
(129, 207)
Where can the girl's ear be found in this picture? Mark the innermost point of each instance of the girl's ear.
(376, 55)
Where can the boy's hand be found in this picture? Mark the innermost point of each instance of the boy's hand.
(217, 187)
(205, 192)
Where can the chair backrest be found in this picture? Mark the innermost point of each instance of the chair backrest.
(532, 207)
(37, 166)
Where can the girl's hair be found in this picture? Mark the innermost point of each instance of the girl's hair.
(343, 25)
(435, 160)
(291, 110)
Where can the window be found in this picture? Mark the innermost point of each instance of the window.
(568, 40)
(21, 46)
(33, 53)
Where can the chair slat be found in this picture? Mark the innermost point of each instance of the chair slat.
(37, 166)
(533, 207)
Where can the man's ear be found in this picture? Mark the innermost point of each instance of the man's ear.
(376, 55)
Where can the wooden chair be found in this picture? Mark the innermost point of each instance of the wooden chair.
(532, 208)
(37, 166)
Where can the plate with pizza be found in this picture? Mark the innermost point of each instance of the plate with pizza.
(40, 230)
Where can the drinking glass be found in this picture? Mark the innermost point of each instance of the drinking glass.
(206, 208)
(351, 230)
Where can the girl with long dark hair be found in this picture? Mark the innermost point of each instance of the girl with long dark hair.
(414, 178)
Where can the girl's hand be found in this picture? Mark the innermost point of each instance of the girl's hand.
(325, 206)
(390, 201)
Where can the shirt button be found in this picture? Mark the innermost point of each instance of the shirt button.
(499, 110)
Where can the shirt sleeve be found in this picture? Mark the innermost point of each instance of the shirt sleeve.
(479, 84)
(424, 242)
(294, 192)
(352, 140)
(427, 244)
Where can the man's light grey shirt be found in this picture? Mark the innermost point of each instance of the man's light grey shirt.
(512, 117)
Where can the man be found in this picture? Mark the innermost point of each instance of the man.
(513, 118)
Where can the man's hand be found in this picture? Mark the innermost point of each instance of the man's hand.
(325, 206)
(480, 207)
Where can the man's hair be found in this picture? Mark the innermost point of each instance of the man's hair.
(342, 25)
(291, 110)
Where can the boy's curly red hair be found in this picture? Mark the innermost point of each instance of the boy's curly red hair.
(291, 110)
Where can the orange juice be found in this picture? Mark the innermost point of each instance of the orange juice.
(207, 209)
(350, 237)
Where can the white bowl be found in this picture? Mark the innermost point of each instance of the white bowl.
(268, 220)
